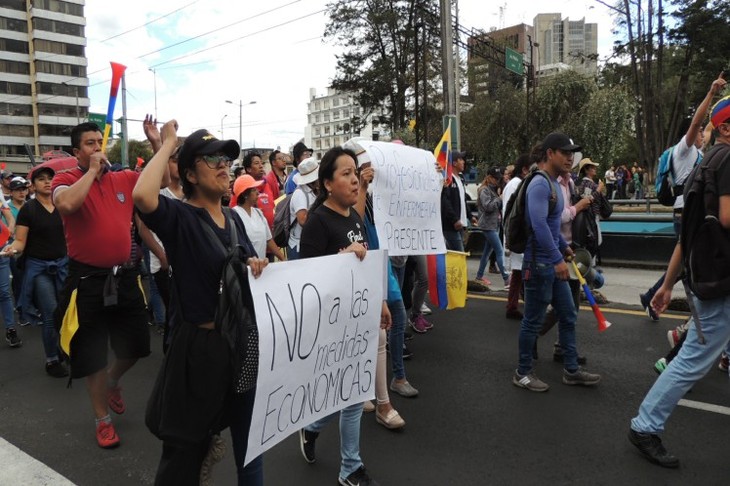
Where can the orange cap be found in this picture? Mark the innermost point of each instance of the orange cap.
(244, 182)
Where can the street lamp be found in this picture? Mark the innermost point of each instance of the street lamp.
(240, 119)
(223, 118)
(154, 74)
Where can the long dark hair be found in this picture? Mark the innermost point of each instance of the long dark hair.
(327, 168)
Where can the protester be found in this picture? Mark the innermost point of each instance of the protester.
(335, 227)
(704, 341)
(545, 272)
(203, 165)
(610, 177)
(6, 300)
(302, 199)
(454, 218)
(101, 302)
(276, 178)
(489, 205)
(685, 154)
(39, 238)
(254, 167)
(299, 153)
(5, 177)
(246, 195)
(19, 188)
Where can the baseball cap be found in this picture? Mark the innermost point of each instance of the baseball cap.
(561, 141)
(18, 183)
(585, 162)
(4, 174)
(494, 171)
(243, 183)
(202, 142)
(720, 112)
(34, 174)
(308, 171)
(455, 155)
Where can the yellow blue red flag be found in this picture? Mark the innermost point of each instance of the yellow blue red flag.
(442, 152)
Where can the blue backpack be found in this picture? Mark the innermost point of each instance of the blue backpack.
(666, 190)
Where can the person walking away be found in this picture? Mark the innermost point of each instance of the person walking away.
(489, 205)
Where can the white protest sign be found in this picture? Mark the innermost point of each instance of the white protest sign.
(318, 322)
(406, 199)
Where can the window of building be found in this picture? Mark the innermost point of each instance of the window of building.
(317, 118)
(317, 131)
(327, 130)
(15, 109)
(62, 69)
(58, 27)
(12, 45)
(335, 101)
(6, 150)
(14, 67)
(16, 130)
(61, 90)
(8, 87)
(58, 47)
(317, 105)
(326, 117)
(13, 24)
(54, 130)
(60, 7)
(13, 5)
(61, 110)
(345, 113)
(318, 144)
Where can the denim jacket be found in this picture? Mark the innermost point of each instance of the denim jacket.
(34, 267)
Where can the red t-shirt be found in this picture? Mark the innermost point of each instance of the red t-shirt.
(266, 203)
(273, 182)
(99, 232)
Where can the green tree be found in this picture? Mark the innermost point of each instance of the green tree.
(135, 148)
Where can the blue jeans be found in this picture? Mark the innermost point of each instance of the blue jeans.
(691, 364)
(491, 242)
(454, 240)
(44, 288)
(349, 437)
(6, 298)
(541, 289)
(292, 253)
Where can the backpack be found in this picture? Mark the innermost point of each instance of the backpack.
(516, 229)
(282, 221)
(666, 190)
(705, 243)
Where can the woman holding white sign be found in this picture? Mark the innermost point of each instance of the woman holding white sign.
(333, 227)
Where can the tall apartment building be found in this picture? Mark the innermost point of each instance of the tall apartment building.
(482, 74)
(43, 79)
(335, 117)
(566, 42)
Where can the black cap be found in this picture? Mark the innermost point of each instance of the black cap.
(495, 171)
(5, 174)
(35, 173)
(560, 141)
(298, 150)
(201, 142)
(456, 155)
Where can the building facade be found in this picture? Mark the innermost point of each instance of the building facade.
(43, 78)
(335, 117)
(566, 42)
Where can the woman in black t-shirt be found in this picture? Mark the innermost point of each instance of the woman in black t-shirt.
(197, 263)
(333, 226)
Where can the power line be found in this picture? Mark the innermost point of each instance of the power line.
(150, 22)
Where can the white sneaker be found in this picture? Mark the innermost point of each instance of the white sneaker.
(425, 310)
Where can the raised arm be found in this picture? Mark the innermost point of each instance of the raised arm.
(147, 190)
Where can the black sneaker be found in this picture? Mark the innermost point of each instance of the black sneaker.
(307, 440)
(56, 369)
(407, 353)
(407, 335)
(650, 445)
(646, 304)
(11, 337)
(359, 478)
(558, 356)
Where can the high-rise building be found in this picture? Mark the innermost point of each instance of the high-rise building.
(335, 117)
(43, 78)
(564, 42)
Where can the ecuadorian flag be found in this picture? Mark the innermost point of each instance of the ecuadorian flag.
(442, 152)
(447, 279)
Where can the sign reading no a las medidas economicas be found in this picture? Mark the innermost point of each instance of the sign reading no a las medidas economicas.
(318, 322)
(406, 199)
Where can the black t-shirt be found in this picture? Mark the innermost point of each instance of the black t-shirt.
(46, 240)
(196, 263)
(326, 232)
(723, 172)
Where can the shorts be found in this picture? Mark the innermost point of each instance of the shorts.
(124, 326)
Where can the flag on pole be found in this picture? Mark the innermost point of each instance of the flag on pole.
(447, 279)
(442, 152)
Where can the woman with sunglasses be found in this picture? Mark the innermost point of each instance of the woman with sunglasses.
(212, 394)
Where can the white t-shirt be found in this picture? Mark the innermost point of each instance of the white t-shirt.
(462, 199)
(154, 261)
(683, 160)
(302, 198)
(509, 189)
(257, 228)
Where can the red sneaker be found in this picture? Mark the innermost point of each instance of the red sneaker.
(115, 400)
(106, 436)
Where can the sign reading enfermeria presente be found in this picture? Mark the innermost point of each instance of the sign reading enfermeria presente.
(406, 199)
(318, 322)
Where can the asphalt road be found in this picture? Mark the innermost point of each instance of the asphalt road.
(469, 425)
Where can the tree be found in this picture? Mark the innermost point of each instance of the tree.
(135, 149)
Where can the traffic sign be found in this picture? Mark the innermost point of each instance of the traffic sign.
(99, 119)
(513, 61)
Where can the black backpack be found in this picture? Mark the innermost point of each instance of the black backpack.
(705, 243)
(516, 229)
(282, 221)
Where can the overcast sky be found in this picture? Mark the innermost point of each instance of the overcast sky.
(268, 52)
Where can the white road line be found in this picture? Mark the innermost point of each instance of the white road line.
(20, 469)
(707, 407)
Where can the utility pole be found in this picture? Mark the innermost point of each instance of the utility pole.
(154, 75)
(449, 84)
(125, 141)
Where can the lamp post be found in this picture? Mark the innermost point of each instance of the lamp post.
(240, 119)
(222, 118)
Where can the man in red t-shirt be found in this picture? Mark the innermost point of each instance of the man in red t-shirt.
(102, 300)
(277, 175)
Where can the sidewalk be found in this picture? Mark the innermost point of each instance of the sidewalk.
(622, 287)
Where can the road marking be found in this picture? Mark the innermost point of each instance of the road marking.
(707, 407)
(605, 310)
(23, 470)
